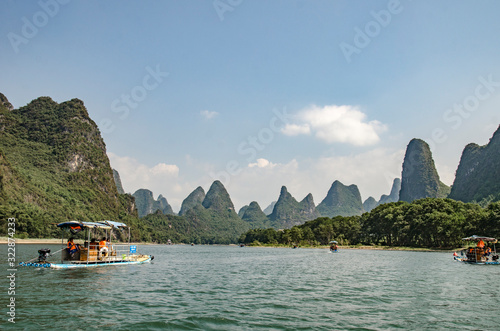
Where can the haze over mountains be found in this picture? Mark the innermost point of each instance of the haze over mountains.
(419, 180)
(54, 165)
(146, 204)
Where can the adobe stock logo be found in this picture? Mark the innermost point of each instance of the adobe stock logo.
(223, 6)
(363, 37)
(252, 145)
(138, 93)
(461, 111)
(30, 28)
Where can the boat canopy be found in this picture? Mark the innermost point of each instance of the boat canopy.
(116, 224)
(73, 225)
(477, 238)
(333, 242)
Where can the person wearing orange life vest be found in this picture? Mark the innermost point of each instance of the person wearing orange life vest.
(103, 249)
(72, 247)
(480, 244)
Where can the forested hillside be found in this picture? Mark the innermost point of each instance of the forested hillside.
(429, 222)
(54, 168)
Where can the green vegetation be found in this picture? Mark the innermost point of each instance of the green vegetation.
(118, 182)
(369, 204)
(419, 177)
(255, 217)
(210, 221)
(288, 212)
(341, 200)
(424, 223)
(478, 174)
(195, 198)
(54, 168)
(393, 196)
(146, 204)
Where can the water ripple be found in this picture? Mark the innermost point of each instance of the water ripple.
(233, 288)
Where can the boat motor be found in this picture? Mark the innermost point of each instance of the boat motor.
(43, 254)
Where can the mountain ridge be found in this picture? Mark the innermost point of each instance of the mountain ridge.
(341, 200)
(419, 178)
(478, 176)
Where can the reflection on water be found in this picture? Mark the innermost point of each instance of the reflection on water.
(234, 288)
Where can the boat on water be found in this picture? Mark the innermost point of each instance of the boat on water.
(333, 247)
(91, 253)
(484, 251)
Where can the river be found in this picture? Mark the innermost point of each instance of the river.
(246, 288)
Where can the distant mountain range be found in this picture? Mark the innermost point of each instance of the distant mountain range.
(146, 204)
(478, 174)
(269, 209)
(371, 203)
(53, 166)
(420, 178)
(118, 182)
(341, 200)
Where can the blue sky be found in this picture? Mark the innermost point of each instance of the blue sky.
(260, 93)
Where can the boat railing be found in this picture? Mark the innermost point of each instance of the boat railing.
(476, 254)
(121, 250)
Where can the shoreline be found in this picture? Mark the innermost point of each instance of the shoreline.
(55, 241)
(378, 248)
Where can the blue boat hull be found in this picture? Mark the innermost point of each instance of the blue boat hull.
(460, 259)
(84, 265)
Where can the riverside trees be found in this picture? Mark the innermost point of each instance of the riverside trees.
(423, 223)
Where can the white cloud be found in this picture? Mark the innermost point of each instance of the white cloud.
(372, 171)
(344, 124)
(295, 129)
(163, 168)
(262, 163)
(208, 114)
(161, 178)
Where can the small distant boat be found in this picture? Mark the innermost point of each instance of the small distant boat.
(90, 254)
(484, 252)
(333, 247)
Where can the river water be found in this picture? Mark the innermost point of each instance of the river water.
(235, 288)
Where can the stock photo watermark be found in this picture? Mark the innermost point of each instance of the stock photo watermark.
(131, 100)
(11, 278)
(455, 115)
(31, 26)
(372, 29)
(223, 6)
(252, 145)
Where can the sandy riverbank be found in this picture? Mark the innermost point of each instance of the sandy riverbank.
(34, 241)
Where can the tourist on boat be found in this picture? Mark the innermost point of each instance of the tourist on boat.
(93, 244)
(480, 244)
(72, 247)
(487, 252)
(103, 249)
